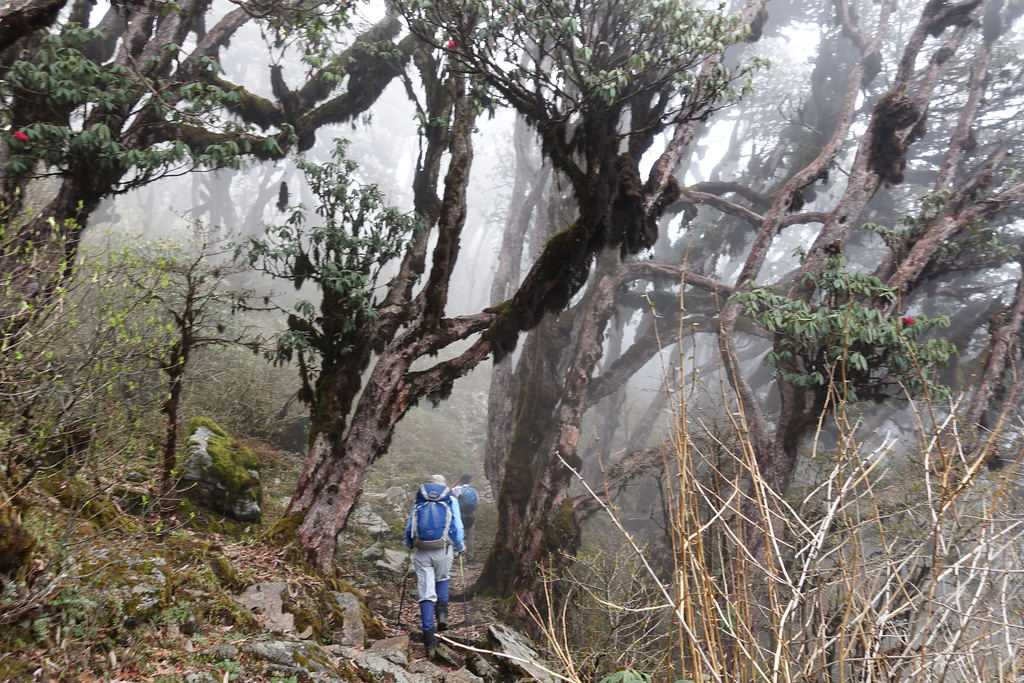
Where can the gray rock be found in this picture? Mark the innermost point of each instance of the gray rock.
(525, 659)
(368, 521)
(143, 598)
(462, 676)
(395, 650)
(373, 552)
(199, 677)
(222, 475)
(445, 655)
(145, 587)
(394, 561)
(276, 651)
(136, 477)
(483, 668)
(223, 651)
(266, 602)
(310, 658)
(431, 671)
(374, 664)
(397, 498)
(353, 632)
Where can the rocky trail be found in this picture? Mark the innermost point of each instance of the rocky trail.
(218, 592)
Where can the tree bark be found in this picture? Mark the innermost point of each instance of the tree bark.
(536, 519)
(175, 371)
(22, 17)
(1003, 342)
(337, 463)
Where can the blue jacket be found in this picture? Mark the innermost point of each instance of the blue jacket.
(455, 531)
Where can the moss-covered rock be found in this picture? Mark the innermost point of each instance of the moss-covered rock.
(16, 544)
(220, 473)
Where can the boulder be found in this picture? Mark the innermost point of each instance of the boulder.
(373, 552)
(395, 650)
(430, 671)
(368, 521)
(394, 561)
(220, 474)
(266, 602)
(483, 668)
(447, 656)
(462, 676)
(521, 659)
(222, 652)
(309, 658)
(353, 632)
(275, 651)
(144, 583)
(396, 498)
(377, 667)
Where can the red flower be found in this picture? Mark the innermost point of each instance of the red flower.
(451, 44)
(908, 321)
(21, 136)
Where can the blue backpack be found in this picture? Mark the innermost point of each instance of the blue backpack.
(432, 517)
(468, 500)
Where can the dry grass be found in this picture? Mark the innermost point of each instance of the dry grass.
(896, 564)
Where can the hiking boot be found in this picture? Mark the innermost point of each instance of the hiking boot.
(442, 616)
(431, 644)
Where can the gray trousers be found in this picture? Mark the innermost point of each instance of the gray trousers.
(431, 566)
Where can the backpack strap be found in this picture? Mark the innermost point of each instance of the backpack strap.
(447, 523)
(414, 522)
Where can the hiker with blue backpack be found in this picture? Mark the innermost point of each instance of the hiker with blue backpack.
(434, 531)
(468, 500)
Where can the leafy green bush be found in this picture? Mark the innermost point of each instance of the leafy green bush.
(844, 337)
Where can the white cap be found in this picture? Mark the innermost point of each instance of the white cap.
(438, 479)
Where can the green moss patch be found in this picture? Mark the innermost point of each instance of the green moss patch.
(221, 474)
(74, 493)
(232, 462)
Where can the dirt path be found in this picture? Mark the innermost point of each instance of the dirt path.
(468, 621)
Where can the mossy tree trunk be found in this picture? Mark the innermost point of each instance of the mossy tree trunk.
(341, 450)
(537, 521)
(522, 517)
(175, 371)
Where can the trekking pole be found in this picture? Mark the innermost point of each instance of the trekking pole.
(465, 597)
(401, 601)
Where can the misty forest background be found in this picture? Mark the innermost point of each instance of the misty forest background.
(720, 304)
